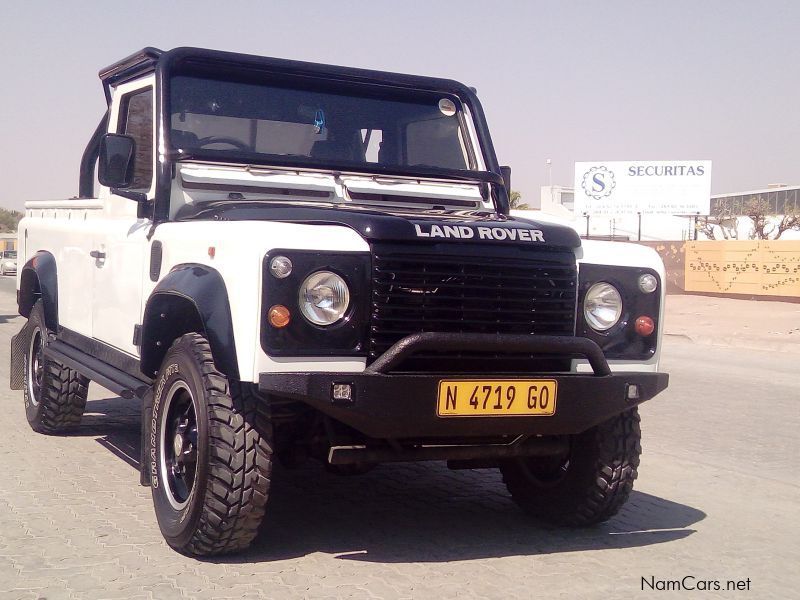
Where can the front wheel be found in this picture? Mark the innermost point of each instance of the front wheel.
(211, 442)
(586, 485)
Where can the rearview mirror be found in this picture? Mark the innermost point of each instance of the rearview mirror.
(115, 160)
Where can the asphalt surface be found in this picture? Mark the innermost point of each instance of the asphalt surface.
(717, 499)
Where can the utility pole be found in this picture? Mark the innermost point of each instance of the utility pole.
(640, 225)
(549, 164)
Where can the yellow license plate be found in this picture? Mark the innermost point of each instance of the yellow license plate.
(480, 398)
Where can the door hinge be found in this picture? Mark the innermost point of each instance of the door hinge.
(137, 335)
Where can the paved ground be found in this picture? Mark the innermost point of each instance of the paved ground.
(717, 499)
(747, 324)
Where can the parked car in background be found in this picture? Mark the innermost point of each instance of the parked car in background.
(8, 266)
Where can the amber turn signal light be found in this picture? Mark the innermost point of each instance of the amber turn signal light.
(279, 316)
(645, 326)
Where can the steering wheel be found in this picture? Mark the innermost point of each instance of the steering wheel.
(221, 139)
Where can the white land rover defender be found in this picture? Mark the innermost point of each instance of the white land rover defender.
(286, 260)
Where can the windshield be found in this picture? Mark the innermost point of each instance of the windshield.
(319, 127)
(10, 254)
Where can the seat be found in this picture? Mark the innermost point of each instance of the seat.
(184, 139)
(334, 149)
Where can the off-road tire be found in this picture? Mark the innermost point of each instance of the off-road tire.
(234, 449)
(55, 403)
(592, 486)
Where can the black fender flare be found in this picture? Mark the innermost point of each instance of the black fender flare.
(39, 279)
(200, 290)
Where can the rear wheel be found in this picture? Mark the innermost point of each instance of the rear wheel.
(55, 395)
(588, 484)
(212, 449)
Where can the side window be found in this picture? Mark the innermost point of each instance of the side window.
(136, 120)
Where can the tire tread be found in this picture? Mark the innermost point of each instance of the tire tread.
(63, 391)
(239, 460)
(63, 400)
(616, 447)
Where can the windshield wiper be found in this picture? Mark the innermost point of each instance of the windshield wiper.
(280, 162)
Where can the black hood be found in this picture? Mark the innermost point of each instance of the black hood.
(456, 226)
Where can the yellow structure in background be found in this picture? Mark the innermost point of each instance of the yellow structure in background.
(8, 241)
(753, 267)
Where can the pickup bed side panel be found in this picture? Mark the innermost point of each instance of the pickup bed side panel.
(67, 233)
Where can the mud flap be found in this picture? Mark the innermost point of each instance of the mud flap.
(19, 348)
(146, 460)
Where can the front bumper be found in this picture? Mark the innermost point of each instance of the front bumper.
(403, 405)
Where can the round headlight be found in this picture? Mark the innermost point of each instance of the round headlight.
(324, 298)
(602, 306)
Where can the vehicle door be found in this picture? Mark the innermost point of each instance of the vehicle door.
(120, 247)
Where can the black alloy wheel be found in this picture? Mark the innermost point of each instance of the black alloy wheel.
(179, 444)
(35, 365)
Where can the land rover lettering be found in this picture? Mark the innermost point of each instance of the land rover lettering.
(463, 232)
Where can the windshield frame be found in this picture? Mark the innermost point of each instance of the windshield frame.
(216, 64)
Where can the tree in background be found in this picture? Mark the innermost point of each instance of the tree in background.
(9, 219)
(766, 224)
(722, 220)
(515, 201)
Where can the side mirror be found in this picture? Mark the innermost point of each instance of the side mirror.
(506, 173)
(115, 160)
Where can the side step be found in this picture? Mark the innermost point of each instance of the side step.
(109, 377)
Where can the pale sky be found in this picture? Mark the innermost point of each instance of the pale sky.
(569, 81)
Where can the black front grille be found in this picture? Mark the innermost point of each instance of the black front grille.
(482, 291)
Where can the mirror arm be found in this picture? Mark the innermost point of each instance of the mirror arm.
(139, 197)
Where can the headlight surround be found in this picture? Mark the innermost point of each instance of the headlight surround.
(602, 306)
(324, 298)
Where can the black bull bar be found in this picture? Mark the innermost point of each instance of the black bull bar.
(390, 405)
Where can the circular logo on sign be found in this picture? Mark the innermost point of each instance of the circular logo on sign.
(598, 182)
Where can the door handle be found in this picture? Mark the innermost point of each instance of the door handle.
(98, 254)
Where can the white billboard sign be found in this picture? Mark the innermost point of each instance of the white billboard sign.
(658, 187)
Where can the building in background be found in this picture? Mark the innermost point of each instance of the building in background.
(659, 201)
(780, 198)
(559, 201)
